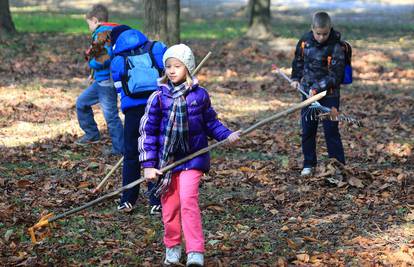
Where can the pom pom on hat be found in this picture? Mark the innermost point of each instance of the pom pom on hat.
(183, 53)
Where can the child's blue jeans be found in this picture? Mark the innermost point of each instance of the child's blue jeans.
(106, 96)
(331, 131)
(131, 167)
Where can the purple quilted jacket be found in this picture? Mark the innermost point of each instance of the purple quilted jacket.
(202, 123)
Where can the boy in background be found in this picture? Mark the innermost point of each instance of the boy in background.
(319, 66)
(101, 89)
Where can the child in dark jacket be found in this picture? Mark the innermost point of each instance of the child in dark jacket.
(101, 90)
(126, 41)
(177, 121)
(319, 66)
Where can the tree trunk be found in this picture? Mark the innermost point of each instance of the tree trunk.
(259, 19)
(6, 22)
(155, 19)
(173, 21)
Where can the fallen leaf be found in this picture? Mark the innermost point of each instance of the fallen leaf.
(356, 182)
(23, 183)
(83, 184)
(8, 234)
(291, 244)
(284, 228)
(274, 211)
(246, 169)
(303, 257)
(310, 239)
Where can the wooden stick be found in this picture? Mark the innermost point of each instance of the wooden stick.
(103, 182)
(248, 130)
(333, 112)
(201, 63)
(181, 161)
(281, 73)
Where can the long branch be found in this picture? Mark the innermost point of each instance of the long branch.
(202, 151)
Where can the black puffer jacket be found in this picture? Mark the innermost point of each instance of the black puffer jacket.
(310, 65)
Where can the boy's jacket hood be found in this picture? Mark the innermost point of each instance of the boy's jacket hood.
(129, 40)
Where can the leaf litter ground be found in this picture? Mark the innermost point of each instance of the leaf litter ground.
(257, 210)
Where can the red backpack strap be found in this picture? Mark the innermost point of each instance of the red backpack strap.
(302, 48)
(329, 59)
(110, 24)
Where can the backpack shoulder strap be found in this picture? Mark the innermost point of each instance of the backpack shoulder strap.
(302, 48)
(124, 77)
(346, 46)
(330, 52)
(154, 62)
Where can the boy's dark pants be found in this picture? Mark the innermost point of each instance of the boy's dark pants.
(331, 131)
(131, 167)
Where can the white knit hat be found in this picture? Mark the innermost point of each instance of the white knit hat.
(183, 53)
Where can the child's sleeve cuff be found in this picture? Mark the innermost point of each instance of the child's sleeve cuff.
(149, 164)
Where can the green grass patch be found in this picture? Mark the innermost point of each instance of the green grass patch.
(36, 22)
(214, 29)
(22, 169)
(49, 22)
(222, 28)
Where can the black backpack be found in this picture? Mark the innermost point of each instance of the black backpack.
(347, 48)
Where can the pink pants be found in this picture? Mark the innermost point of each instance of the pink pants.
(181, 202)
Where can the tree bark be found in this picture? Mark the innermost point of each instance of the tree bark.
(6, 22)
(155, 19)
(173, 21)
(259, 19)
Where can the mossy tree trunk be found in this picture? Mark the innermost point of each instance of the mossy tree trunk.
(259, 19)
(6, 22)
(173, 21)
(155, 19)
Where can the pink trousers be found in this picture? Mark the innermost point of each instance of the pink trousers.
(180, 207)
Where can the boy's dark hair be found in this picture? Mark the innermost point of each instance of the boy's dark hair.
(98, 11)
(321, 19)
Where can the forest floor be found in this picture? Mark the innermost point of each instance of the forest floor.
(257, 209)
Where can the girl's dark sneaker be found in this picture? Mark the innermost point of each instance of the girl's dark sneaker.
(125, 207)
(155, 210)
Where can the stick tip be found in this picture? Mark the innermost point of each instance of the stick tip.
(94, 191)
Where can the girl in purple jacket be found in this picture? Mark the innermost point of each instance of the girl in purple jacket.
(177, 121)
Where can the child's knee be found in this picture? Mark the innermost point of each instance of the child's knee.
(189, 202)
(111, 115)
(80, 103)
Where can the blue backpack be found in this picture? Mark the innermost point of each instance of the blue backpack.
(140, 71)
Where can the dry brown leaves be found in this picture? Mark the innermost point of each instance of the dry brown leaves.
(263, 212)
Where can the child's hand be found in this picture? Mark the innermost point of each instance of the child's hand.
(295, 84)
(151, 173)
(312, 92)
(234, 137)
